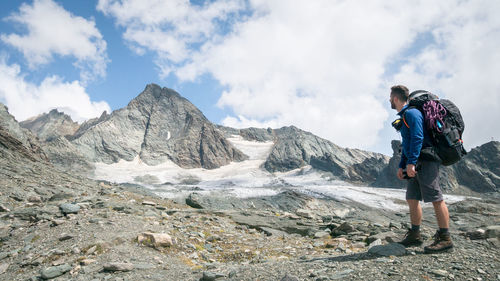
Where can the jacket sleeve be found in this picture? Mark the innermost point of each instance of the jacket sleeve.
(415, 121)
(402, 163)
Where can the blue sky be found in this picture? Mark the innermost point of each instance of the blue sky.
(127, 73)
(323, 66)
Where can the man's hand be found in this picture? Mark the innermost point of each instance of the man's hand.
(400, 174)
(410, 170)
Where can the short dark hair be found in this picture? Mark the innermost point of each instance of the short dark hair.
(401, 92)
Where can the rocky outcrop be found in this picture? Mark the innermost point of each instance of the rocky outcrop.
(16, 142)
(249, 134)
(480, 168)
(52, 124)
(53, 130)
(89, 124)
(295, 148)
(157, 126)
(62, 153)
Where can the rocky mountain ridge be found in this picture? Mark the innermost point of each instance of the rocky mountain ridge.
(160, 125)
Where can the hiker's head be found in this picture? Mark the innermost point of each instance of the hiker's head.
(399, 96)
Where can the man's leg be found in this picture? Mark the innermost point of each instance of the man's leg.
(442, 238)
(413, 237)
(415, 211)
(442, 215)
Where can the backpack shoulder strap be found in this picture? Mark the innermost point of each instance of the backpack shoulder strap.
(404, 114)
(404, 121)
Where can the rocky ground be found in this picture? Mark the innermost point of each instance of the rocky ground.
(58, 226)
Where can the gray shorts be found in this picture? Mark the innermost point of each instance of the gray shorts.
(425, 185)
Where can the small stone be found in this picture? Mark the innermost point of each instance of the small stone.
(479, 270)
(118, 266)
(65, 237)
(155, 239)
(477, 234)
(341, 246)
(289, 278)
(35, 199)
(91, 250)
(4, 209)
(86, 261)
(55, 271)
(440, 272)
(75, 270)
(56, 222)
(210, 276)
(341, 275)
(377, 242)
(305, 213)
(75, 250)
(4, 267)
(346, 227)
(492, 231)
(148, 203)
(67, 208)
(321, 234)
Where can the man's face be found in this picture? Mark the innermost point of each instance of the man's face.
(391, 99)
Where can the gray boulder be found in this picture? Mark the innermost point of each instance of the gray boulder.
(392, 249)
(55, 271)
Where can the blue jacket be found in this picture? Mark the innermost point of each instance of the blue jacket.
(414, 138)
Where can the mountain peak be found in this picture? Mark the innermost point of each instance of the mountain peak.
(51, 124)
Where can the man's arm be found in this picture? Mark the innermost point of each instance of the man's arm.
(415, 121)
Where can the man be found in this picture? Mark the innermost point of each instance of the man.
(422, 171)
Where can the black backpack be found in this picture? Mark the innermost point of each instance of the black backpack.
(444, 124)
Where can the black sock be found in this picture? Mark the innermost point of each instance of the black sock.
(443, 230)
(415, 227)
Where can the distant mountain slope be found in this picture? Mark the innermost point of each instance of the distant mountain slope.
(49, 125)
(158, 125)
(294, 148)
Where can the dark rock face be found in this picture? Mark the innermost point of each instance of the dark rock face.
(158, 125)
(52, 124)
(88, 124)
(295, 148)
(480, 168)
(388, 177)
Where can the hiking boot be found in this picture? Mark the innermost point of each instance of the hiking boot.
(442, 243)
(412, 238)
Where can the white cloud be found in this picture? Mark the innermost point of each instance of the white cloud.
(318, 65)
(51, 30)
(25, 99)
(168, 28)
(326, 66)
(463, 65)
